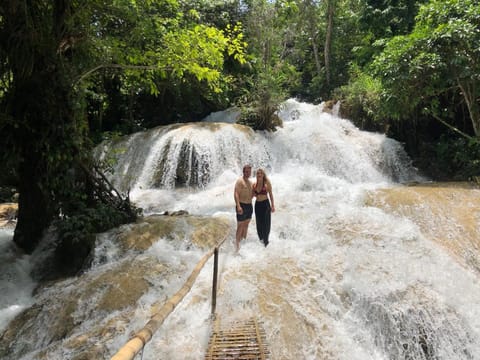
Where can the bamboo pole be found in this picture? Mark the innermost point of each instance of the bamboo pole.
(214, 283)
(140, 339)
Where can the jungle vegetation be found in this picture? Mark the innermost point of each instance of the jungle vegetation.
(73, 73)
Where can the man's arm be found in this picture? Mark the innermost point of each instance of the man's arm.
(236, 196)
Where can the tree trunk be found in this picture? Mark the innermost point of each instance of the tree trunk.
(41, 105)
(309, 17)
(48, 127)
(316, 55)
(468, 90)
(328, 39)
(39, 101)
(34, 210)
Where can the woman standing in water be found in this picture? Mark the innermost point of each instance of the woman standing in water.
(264, 205)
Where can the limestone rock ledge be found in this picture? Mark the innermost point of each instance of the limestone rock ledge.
(202, 232)
(80, 316)
(8, 214)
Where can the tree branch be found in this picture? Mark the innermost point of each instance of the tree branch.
(116, 66)
(451, 127)
(468, 93)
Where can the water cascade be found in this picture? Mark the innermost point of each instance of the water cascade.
(360, 265)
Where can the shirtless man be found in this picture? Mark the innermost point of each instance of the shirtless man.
(243, 195)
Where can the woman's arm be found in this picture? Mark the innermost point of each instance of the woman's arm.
(270, 194)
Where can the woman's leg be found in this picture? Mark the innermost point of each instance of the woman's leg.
(259, 218)
(262, 216)
(268, 221)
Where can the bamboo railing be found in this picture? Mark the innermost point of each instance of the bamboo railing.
(140, 339)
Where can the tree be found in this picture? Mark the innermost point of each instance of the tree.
(38, 118)
(324, 44)
(309, 15)
(439, 57)
(49, 53)
(328, 39)
(380, 20)
(175, 55)
(265, 86)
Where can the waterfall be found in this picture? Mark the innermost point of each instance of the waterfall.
(198, 154)
(358, 265)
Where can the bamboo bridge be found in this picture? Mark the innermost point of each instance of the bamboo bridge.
(243, 340)
(246, 340)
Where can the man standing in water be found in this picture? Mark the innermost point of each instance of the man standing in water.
(243, 195)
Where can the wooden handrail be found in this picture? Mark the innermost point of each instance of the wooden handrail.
(140, 339)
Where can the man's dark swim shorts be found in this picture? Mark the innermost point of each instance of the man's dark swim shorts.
(247, 212)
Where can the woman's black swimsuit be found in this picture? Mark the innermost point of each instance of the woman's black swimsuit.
(263, 218)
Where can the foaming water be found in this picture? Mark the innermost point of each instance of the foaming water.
(352, 282)
(446, 213)
(16, 284)
(198, 154)
(341, 279)
(346, 276)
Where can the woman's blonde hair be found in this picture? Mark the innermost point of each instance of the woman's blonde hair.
(265, 178)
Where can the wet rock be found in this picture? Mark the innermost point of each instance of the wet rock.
(8, 214)
(203, 232)
(424, 204)
(63, 306)
(79, 316)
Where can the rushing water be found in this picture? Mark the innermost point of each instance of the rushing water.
(341, 279)
(16, 285)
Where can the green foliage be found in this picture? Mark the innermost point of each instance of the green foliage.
(76, 236)
(166, 60)
(361, 100)
(261, 118)
(170, 46)
(265, 87)
(41, 121)
(262, 100)
(200, 51)
(379, 21)
(304, 41)
(440, 56)
(388, 18)
(74, 73)
(456, 158)
(89, 220)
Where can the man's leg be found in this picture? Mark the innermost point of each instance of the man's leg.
(245, 229)
(238, 235)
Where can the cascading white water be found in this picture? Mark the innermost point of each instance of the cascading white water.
(16, 284)
(202, 155)
(339, 280)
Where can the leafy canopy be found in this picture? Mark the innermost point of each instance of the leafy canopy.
(155, 40)
(440, 56)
